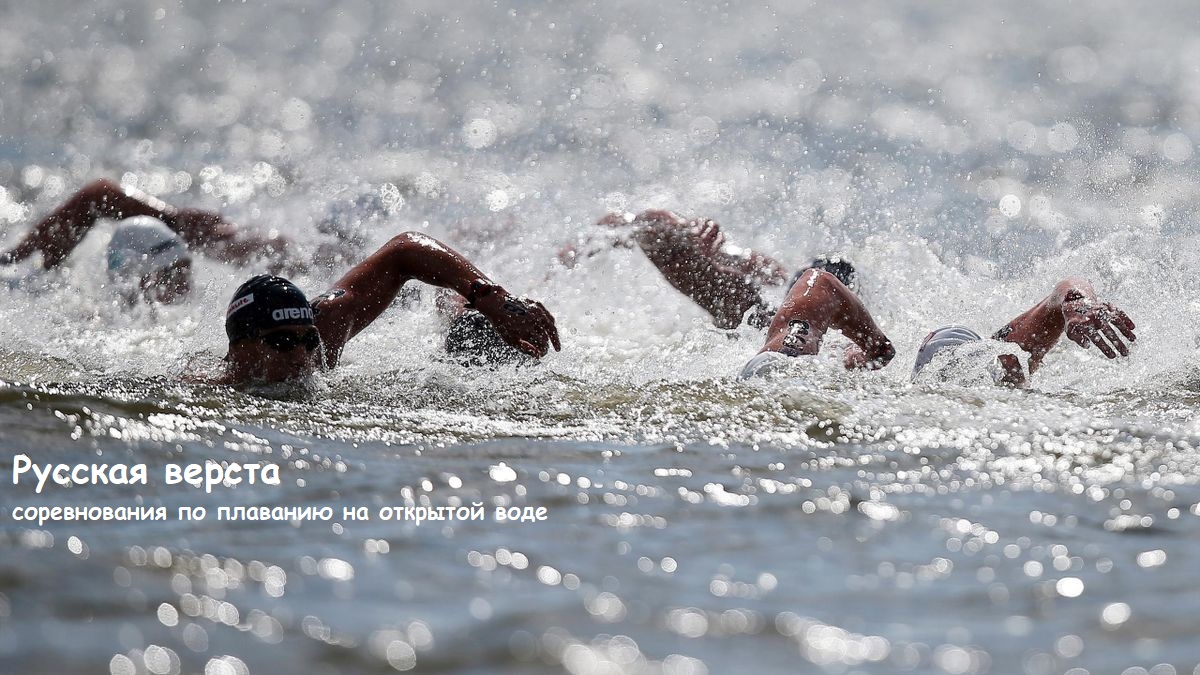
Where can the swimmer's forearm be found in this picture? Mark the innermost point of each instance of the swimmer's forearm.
(856, 323)
(722, 291)
(57, 234)
(364, 292)
(210, 232)
(412, 255)
(759, 266)
(1039, 328)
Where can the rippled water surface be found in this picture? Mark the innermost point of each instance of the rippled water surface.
(812, 521)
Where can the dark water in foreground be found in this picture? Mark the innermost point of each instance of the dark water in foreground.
(1001, 545)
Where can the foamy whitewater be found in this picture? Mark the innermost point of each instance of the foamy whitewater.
(966, 158)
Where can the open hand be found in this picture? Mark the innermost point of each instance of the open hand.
(709, 236)
(523, 323)
(1097, 323)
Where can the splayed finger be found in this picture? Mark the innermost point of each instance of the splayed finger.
(1125, 325)
(1103, 346)
(1114, 339)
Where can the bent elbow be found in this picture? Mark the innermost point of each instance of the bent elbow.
(405, 240)
(101, 187)
(413, 242)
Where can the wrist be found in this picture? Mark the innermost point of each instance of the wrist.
(481, 289)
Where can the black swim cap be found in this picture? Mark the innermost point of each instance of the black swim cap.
(836, 265)
(265, 302)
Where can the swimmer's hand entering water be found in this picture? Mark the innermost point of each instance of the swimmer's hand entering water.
(1009, 370)
(1071, 308)
(1093, 323)
(854, 358)
(523, 323)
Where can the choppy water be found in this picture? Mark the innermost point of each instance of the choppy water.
(966, 158)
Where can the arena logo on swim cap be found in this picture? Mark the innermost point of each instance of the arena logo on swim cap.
(239, 303)
(292, 313)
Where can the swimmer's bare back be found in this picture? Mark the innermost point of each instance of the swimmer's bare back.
(817, 303)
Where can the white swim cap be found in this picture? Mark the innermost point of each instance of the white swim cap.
(141, 246)
(946, 337)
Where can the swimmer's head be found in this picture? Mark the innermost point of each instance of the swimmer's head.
(957, 355)
(838, 266)
(264, 303)
(147, 258)
(271, 329)
(473, 340)
(940, 340)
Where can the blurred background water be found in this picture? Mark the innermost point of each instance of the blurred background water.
(966, 158)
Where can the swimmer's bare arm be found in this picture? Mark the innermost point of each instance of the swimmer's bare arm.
(57, 234)
(1071, 308)
(359, 297)
(211, 233)
(686, 254)
(762, 268)
(571, 254)
(707, 234)
(817, 303)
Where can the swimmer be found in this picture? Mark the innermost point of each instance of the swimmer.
(57, 235)
(693, 257)
(1072, 308)
(276, 334)
(817, 301)
(726, 281)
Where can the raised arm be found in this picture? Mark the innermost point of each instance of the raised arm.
(1072, 307)
(688, 253)
(817, 303)
(758, 266)
(57, 234)
(359, 297)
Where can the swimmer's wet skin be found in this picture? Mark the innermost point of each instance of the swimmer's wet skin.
(275, 334)
(727, 282)
(816, 303)
(58, 234)
(692, 256)
(836, 265)
(1071, 308)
